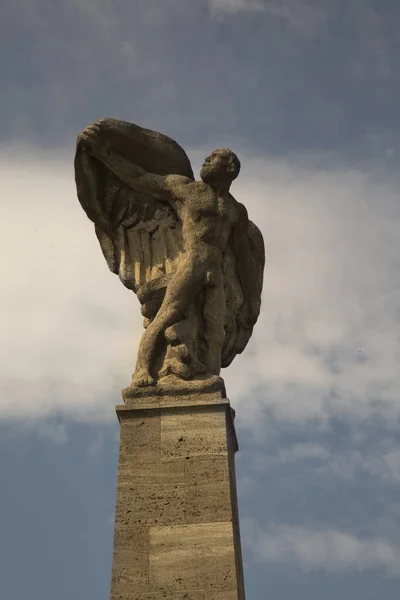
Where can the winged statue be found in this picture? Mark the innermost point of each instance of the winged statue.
(186, 248)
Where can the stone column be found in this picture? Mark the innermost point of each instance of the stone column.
(176, 521)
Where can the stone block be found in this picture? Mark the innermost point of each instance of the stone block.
(161, 595)
(130, 560)
(185, 435)
(224, 595)
(207, 491)
(129, 541)
(140, 436)
(194, 399)
(140, 504)
(154, 473)
(192, 557)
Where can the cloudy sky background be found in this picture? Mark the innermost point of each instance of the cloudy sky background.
(306, 92)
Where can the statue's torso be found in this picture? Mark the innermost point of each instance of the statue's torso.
(207, 218)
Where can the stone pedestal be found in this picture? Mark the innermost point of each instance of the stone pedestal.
(176, 521)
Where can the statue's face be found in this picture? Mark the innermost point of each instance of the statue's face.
(214, 167)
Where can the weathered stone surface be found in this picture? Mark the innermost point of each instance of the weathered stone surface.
(162, 595)
(223, 595)
(207, 491)
(199, 556)
(143, 504)
(131, 540)
(157, 399)
(185, 247)
(186, 435)
(131, 471)
(194, 399)
(130, 560)
(140, 436)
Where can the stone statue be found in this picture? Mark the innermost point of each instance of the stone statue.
(186, 248)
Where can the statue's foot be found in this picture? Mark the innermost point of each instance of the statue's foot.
(142, 378)
(172, 366)
(181, 360)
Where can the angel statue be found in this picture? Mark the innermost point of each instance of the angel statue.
(186, 248)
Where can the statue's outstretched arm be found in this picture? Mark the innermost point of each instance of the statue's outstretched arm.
(155, 186)
(159, 187)
(247, 268)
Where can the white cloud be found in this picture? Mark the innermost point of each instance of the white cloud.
(327, 342)
(232, 6)
(327, 550)
(300, 452)
(56, 433)
(349, 465)
(45, 429)
(95, 448)
(306, 16)
(71, 331)
(316, 461)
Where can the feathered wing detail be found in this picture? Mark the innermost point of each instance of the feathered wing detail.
(135, 233)
(140, 238)
(236, 334)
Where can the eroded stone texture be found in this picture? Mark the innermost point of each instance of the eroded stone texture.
(151, 504)
(130, 559)
(164, 595)
(222, 595)
(140, 437)
(176, 527)
(149, 473)
(207, 491)
(197, 556)
(186, 248)
(186, 435)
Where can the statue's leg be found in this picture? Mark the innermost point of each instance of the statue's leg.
(214, 318)
(181, 288)
(181, 358)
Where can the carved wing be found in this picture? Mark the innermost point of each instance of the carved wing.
(140, 238)
(237, 335)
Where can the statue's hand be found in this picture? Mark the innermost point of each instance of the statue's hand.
(93, 138)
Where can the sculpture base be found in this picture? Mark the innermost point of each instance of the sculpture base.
(176, 521)
(172, 385)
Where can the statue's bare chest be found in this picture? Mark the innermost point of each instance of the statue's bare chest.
(213, 207)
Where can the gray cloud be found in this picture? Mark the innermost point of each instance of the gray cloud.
(60, 326)
(327, 342)
(293, 75)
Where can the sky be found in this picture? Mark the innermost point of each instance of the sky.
(306, 93)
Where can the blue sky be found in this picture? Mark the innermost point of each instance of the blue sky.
(306, 92)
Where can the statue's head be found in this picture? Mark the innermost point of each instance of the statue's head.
(222, 165)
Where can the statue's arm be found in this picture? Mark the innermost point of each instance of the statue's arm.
(159, 187)
(248, 272)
